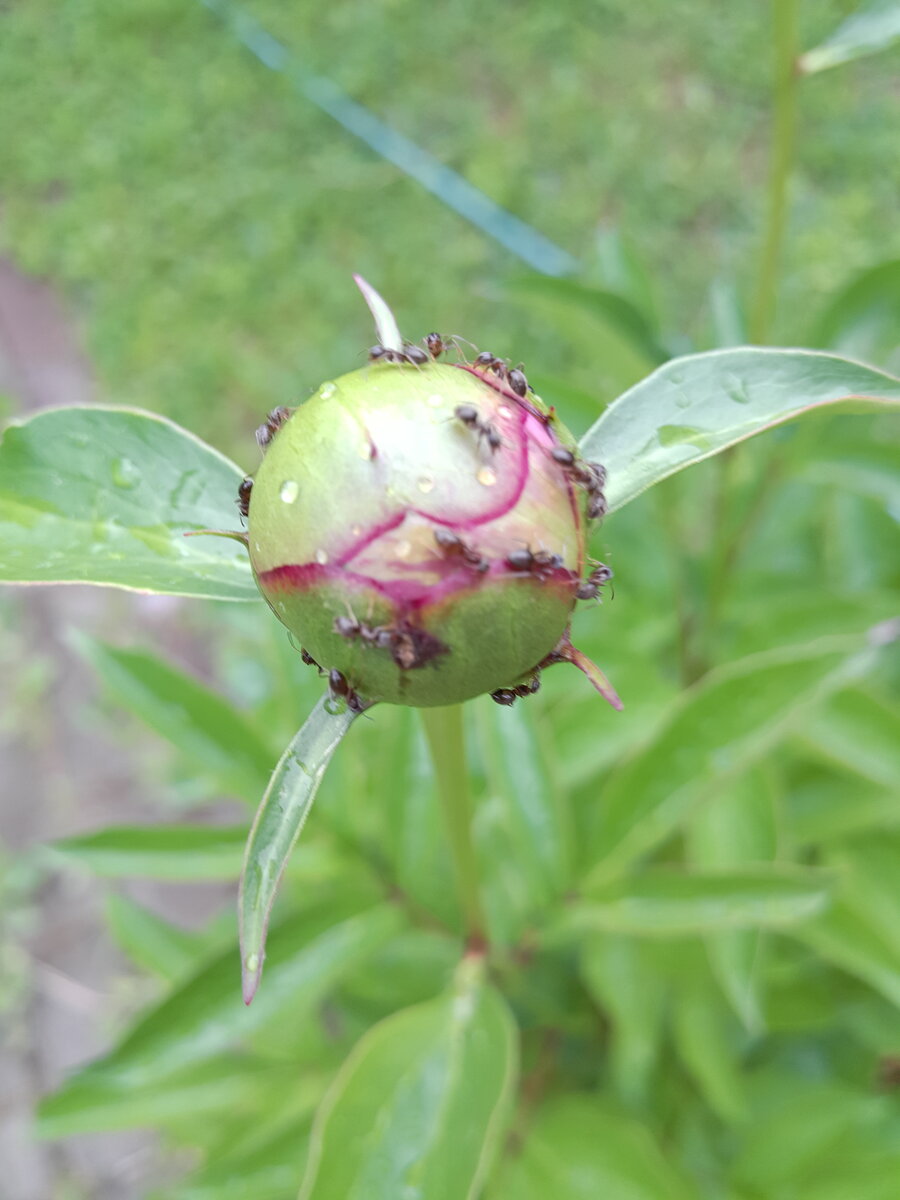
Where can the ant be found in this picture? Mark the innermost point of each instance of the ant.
(508, 696)
(273, 422)
(590, 475)
(540, 565)
(453, 546)
(339, 687)
(469, 415)
(349, 627)
(514, 377)
(517, 381)
(243, 496)
(589, 589)
(414, 355)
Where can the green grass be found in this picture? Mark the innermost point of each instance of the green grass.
(204, 219)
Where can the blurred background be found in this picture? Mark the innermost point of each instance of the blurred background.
(178, 227)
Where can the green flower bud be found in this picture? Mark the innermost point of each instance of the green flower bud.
(421, 529)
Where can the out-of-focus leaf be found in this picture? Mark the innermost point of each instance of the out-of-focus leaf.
(580, 1147)
(105, 495)
(722, 725)
(872, 27)
(867, 468)
(151, 942)
(862, 318)
(858, 731)
(848, 940)
(523, 828)
(277, 826)
(732, 829)
(307, 956)
(616, 310)
(628, 979)
(663, 902)
(272, 1171)
(870, 871)
(225, 1084)
(831, 803)
(706, 1044)
(159, 851)
(696, 406)
(419, 1106)
(413, 966)
(728, 320)
(212, 733)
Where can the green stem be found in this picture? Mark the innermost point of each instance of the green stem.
(444, 730)
(783, 122)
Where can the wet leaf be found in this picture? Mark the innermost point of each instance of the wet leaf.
(696, 406)
(105, 495)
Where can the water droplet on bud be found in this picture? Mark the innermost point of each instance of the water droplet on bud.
(486, 477)
(435, 400)
(425, 483)
(327, 390)
(322, 557)
(289, 491)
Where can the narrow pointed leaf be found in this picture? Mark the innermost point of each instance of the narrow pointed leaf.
(204, 1015)
(204, 726)
(872, 27)
(716, 730)
(385, 322)
(670, 903)
(277, 826)
(581, 1147)
(418, 1108)
(106, 495)
(188, 852)
(152, 942)
(696, 406)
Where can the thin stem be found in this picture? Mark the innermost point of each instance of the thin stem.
(784, 14)
(444, 731)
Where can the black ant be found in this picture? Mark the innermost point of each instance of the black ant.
(243, 496)
(517, 381)
(409, 354)
(589, 589)
(340, 688)
(349, 627)
(470, 417)
(590, 475)
(508, 696)
(513, 376)
(540, 564)
(273, 422)
(453, 546)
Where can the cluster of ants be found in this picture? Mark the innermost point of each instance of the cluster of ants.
(436, 344)
(410, 647)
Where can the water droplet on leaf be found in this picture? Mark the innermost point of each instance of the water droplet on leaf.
(124, 473)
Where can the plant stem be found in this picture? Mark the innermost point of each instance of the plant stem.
(446, 741)
(784, 16)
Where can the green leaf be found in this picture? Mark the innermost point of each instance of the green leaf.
(851, 942)
(663, 902)
(308, 954)
(725, 723)
(580, 1147)
(149, 941)
(706, 1044)
(188, 852)
(859, 732)
(861, 319)
(873, 27)
(419, 1107)
(91, 1103)
(696, 406)
(272, 1171)
(105, 495)
(277, 825)
(207, 729)
(733, 828)
(625, 976)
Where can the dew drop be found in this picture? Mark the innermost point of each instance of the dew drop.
(403, 549)
(486, 477)
(124, 473)
(321, 557)
(425, 483)
(365, 451)
(503, 411)
(327, 390)
(252, 963)
(356, 530)
(289, 491)
(435, 400)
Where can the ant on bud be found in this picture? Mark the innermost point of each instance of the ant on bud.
(243, 496)
(414, 355)
(453, 546)
(508, 696)
(589, 475)
(486, 430)
(273, 422)
(589, 589)
(513, 377)
(540, 565)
